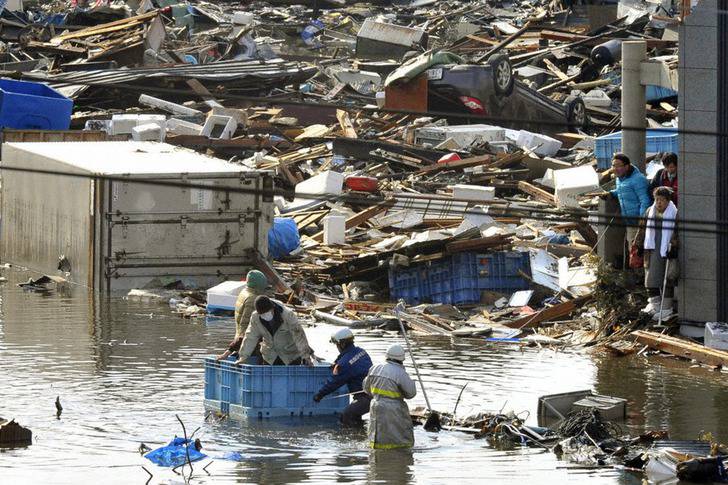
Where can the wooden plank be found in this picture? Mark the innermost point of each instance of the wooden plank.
(367, 306)
(346, 125)
(549, 313)
(457, 164)
(558, 72)
(107, 28)
(681, 348)
(360, 217)
(539, 194)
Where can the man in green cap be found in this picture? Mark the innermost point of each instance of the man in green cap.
(255, 285)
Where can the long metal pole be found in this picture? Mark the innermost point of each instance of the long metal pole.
(397, 310)
(634, 113)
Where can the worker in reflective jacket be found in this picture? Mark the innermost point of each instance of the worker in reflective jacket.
(350, 369)
(390, 424)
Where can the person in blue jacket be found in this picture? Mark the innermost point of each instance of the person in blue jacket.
(350, 368)
(632, 192)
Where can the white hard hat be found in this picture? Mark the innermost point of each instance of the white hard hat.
(341, 334)
(395, 352)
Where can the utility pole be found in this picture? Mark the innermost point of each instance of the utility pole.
(634, 113)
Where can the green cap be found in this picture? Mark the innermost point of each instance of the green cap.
(256, 280)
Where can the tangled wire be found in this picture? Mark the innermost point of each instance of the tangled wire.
(587, 425)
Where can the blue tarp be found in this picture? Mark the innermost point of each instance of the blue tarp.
(175, 453)
(283, 237)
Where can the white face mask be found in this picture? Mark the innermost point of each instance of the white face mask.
(267, 315)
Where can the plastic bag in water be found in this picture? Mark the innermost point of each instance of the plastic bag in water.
(175, 453)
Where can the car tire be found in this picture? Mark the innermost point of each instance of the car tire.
(576, 114)
(503, 80)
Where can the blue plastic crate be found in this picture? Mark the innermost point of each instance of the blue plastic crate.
(658, 93)
(270, 391)
(33, 106)
(658, 140)
(213, 379)
(501, 271)
(409, 284)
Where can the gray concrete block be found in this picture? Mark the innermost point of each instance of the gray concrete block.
(699, 47)
(701, 89)
(699, 256)
(698, 122)
(697, 174)
(704, 14)
(699, 300)
(698, 207)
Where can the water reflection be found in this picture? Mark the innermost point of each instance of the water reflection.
(124, 369)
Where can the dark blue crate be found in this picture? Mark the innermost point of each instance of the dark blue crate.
(501, 271)
(409, 284)
(658, 140)
(33, 106)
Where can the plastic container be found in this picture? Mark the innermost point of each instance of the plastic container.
(409, 284)
(658, 93)
(658, 140)
(460, 278)
(362, 184)
(265, 391)
(33, 106)
(222, 297)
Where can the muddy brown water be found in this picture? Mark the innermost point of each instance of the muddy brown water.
(123, 369)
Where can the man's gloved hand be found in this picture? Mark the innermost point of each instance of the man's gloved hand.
(672, 253)
(317, 397)
(239, 362)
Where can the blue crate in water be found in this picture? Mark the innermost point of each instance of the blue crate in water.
(460, 279)
(33, 106)
(409, 284)
(270, 391)
(658, 140)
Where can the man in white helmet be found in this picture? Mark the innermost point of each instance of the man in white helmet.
(350, 369)
(390, 424)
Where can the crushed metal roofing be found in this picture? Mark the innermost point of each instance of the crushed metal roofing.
(226, 71)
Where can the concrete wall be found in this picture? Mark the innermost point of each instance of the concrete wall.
(698, 100)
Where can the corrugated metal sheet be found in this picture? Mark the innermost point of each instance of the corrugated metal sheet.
(228, 71)
(390, 33)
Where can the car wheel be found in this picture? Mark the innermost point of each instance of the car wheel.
(502, 75)
(576, 112)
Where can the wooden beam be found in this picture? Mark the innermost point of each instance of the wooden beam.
(682, 348)
(549, 313)
(539, 194)
(346, 125)
(457, 164)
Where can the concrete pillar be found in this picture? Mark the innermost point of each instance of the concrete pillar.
(634, 113)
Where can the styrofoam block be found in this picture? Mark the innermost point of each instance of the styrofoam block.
(541, 145)
(148, 132)
(572, 182)
(243, 18)
(716, 335)
(219, 127)
(334, 229)
(473, 192)
(328, 182)
(123, 124)
(181, 127)
(224, 295)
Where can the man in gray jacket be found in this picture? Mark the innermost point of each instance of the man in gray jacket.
(390, 424)
(283, 339)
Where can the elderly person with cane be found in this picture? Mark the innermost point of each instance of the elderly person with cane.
(657, 237)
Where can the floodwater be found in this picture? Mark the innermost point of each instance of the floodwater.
(125, 369)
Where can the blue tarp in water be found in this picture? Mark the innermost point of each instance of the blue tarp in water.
(283, 237)
(175, 453)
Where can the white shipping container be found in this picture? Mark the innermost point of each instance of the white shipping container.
(118, 230)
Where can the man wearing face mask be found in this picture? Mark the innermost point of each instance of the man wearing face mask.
(283, 341)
